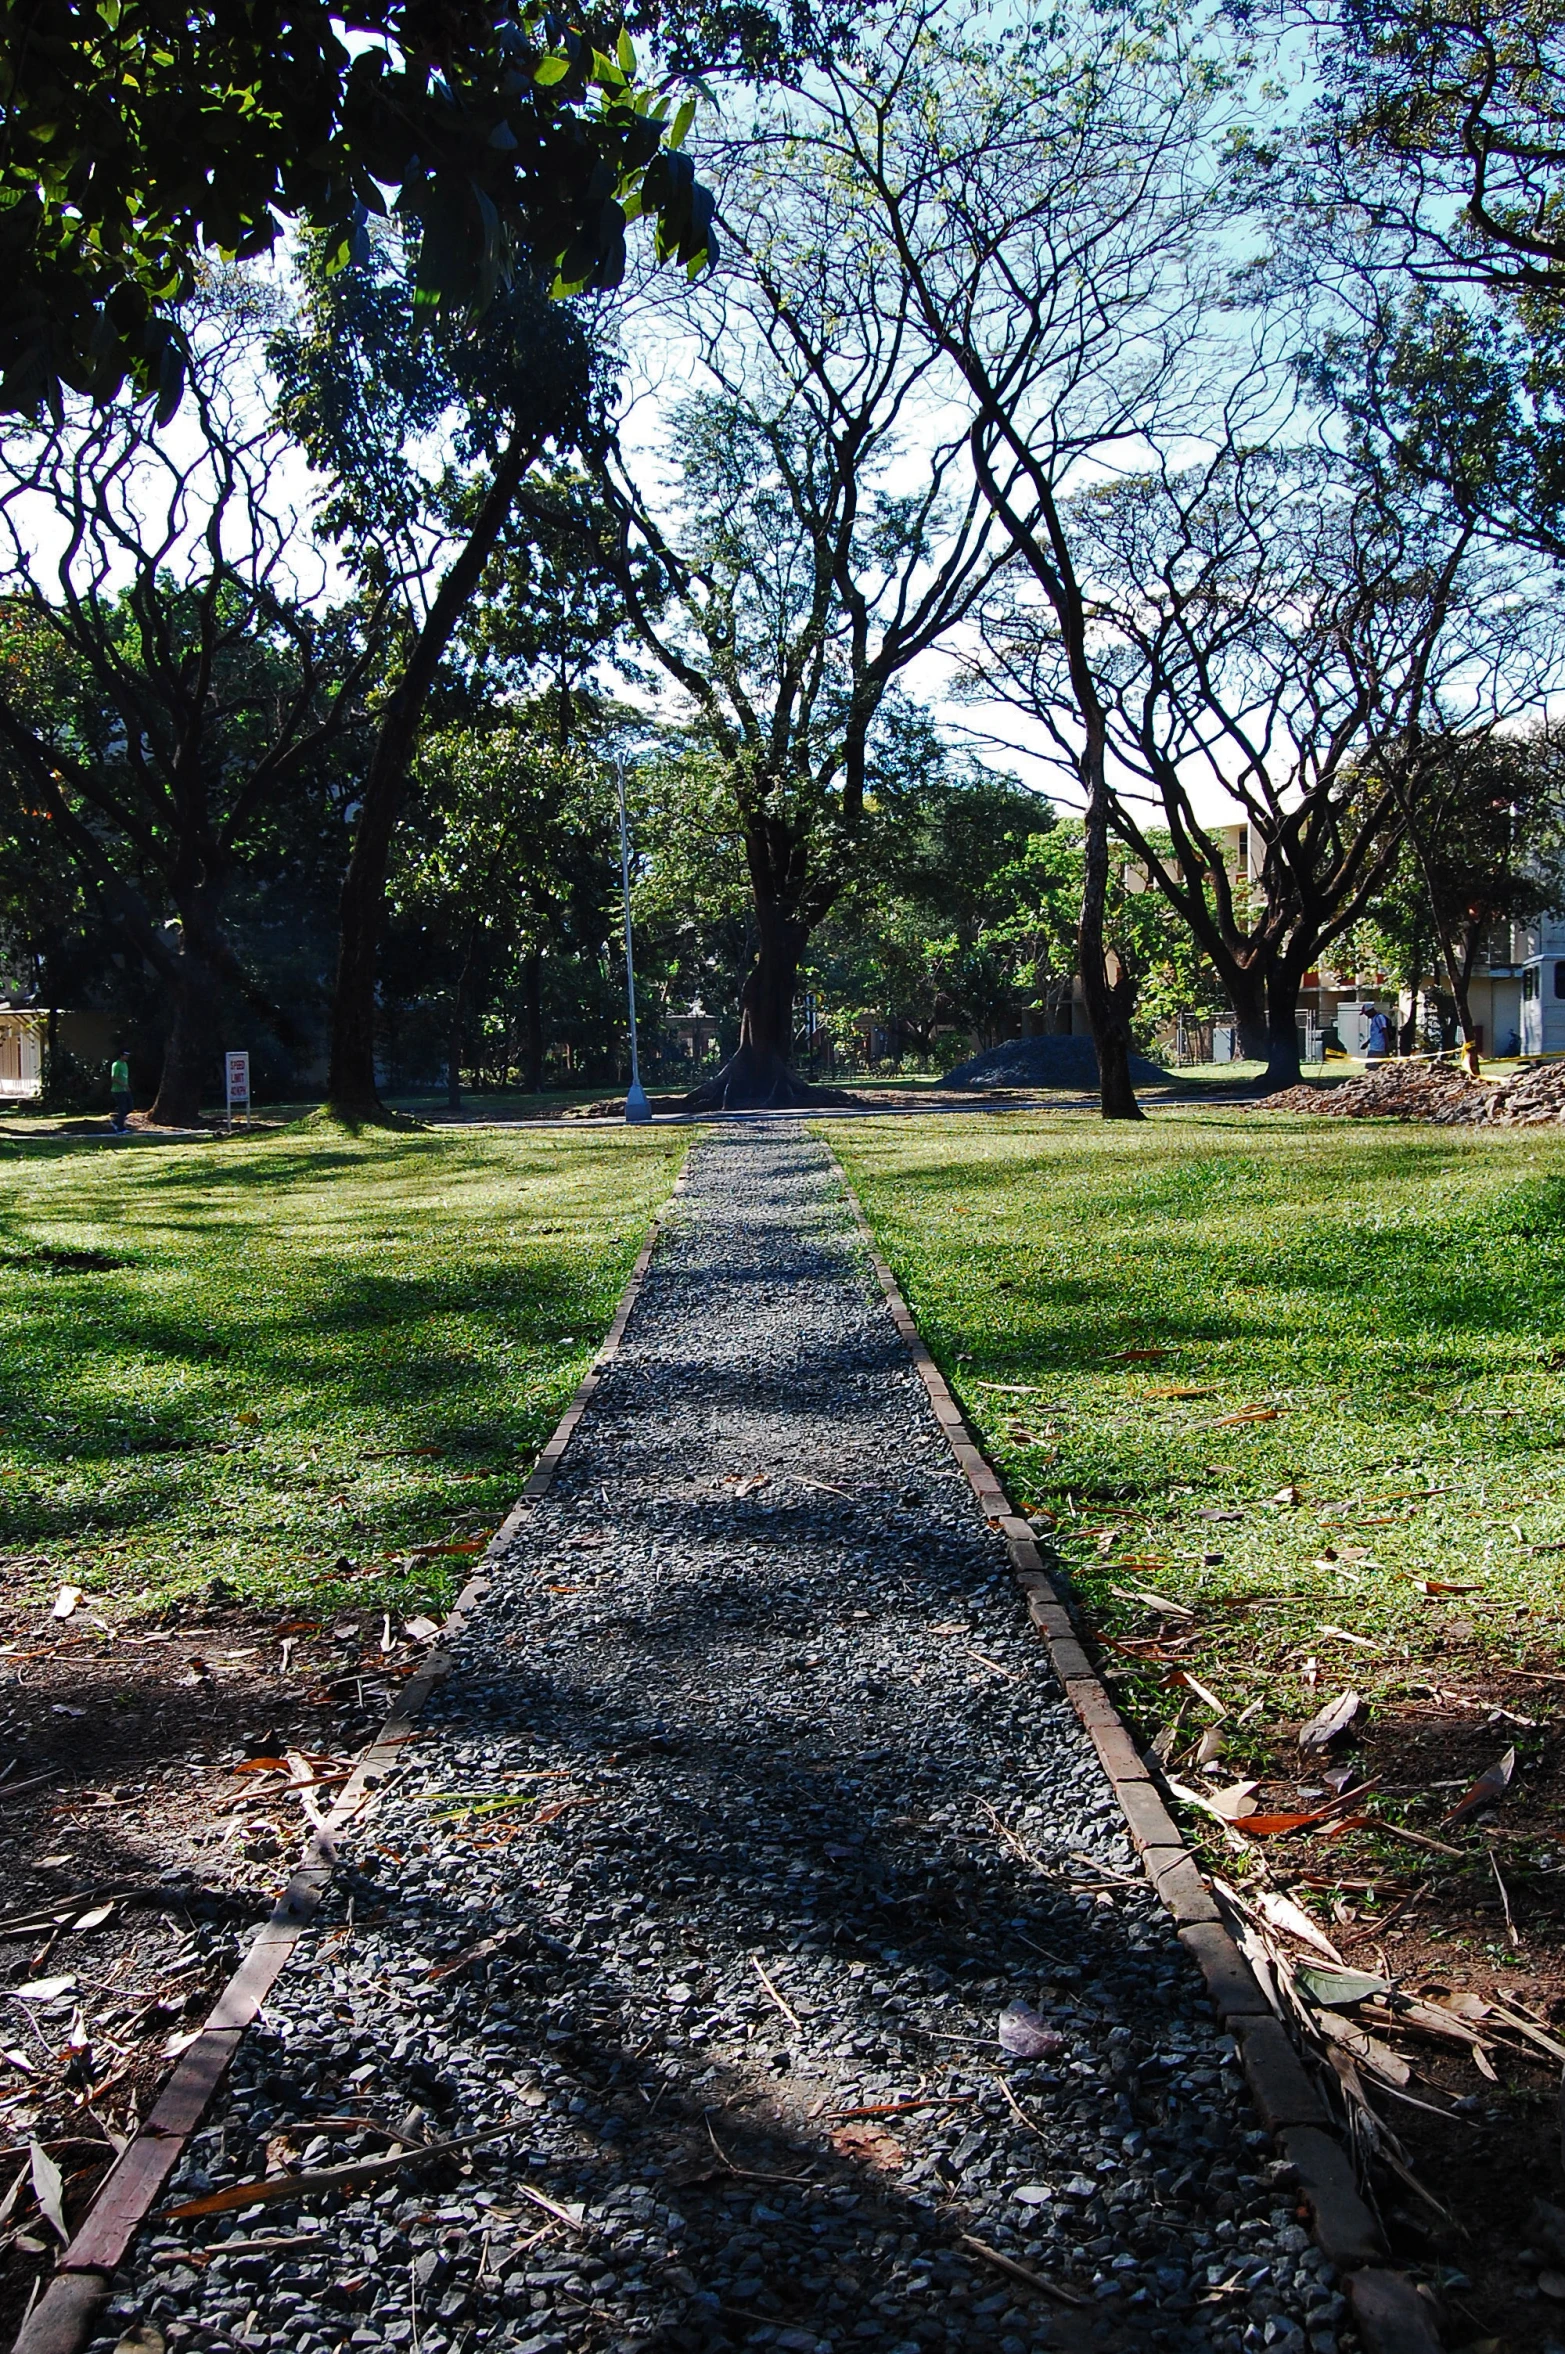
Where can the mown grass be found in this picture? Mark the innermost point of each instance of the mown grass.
(282, 1364)
(1394, 1296)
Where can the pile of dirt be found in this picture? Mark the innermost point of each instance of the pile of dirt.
(1437, 1093)
(1044, 1062)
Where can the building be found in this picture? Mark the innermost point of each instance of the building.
(89, 1038)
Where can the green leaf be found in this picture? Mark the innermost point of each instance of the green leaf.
(551, 70)
(682, 122)
(1334, 1990)
(626, 53)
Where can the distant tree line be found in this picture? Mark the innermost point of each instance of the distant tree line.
(1180, 393)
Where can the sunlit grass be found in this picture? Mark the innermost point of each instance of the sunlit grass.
(252, 1361)
(1392, 1300)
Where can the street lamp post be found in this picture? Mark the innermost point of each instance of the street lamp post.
(636, 1105)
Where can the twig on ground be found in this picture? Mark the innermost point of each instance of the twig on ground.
(1024, 2272)
(783, 2005)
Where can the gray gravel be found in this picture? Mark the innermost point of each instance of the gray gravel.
(755, 1692)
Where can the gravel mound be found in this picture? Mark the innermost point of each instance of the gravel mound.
(1044, 1062)
(1435, 1092)
(783, 1809)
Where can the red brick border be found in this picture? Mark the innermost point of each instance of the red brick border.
(1390, 2314)
(63, 2318)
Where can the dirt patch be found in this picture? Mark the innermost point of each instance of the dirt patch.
(1434, 1092)
(1478, 1932)
(136, 1860)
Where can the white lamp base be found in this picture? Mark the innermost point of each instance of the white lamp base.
(637, 1107)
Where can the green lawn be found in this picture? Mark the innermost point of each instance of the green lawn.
(1391, 1300)
(256, 1360)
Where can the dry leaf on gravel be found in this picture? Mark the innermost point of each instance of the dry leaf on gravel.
(871, 2143)
(48, 2189)
(66, 1601)
(1488, 1790)
(1025, 2034)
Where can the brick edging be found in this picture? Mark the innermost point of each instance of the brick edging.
(63, 2318)
(1390, 2314)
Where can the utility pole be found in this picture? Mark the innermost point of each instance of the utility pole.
(636, 1105)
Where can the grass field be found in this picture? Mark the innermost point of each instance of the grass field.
(1368, 1324)
(285, 1364)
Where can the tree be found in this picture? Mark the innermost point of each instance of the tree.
(1280, 636)
(942, 934)
(1042, 190)
(506, 858)
(424, 442)
(801, 577)
(146, 137)
(163, 690)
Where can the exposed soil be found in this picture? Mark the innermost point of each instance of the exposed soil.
(1435, 1924)
(120, 1742)
(1437, 1092)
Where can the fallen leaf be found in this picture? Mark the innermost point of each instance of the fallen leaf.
(251, 1421)
(42, 1990)
(1339, 1989)
(1288, 1495)
(1137, 1356)
(1247, 1414)
(66, 1600)
(1177, 1393)
(260, 1765)
(1366, 2050)
(1232, 1805)
(95, 1918)
(1440, 1586)
(882, 2150)
(48, 2188)
(1210, 1747)
(1208, 1699)
(1489, 1788)
(1346, 1635)
(420, 1630)
(1331, 1722)
(1025, 2034)
(1153, 1601)
(1277, 1826)
(1282, 1913)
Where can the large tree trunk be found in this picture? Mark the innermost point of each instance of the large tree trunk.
(1282, 1029)
(759, 1074)
(1252, 1022)
(190, 1053)
(532, 1019)
(1105, 1014)
(351, 1088)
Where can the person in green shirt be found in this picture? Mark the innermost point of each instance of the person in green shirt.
(119, 1090)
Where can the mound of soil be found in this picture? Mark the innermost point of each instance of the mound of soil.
(1437, 1093)
(1044, 1062)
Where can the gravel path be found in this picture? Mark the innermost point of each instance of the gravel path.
(784, 1807)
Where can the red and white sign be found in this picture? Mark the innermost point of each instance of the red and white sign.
(237, 1067)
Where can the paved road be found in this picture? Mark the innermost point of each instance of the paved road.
(756, 1773)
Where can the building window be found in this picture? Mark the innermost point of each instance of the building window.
(1531, 983)
(1559, 980)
